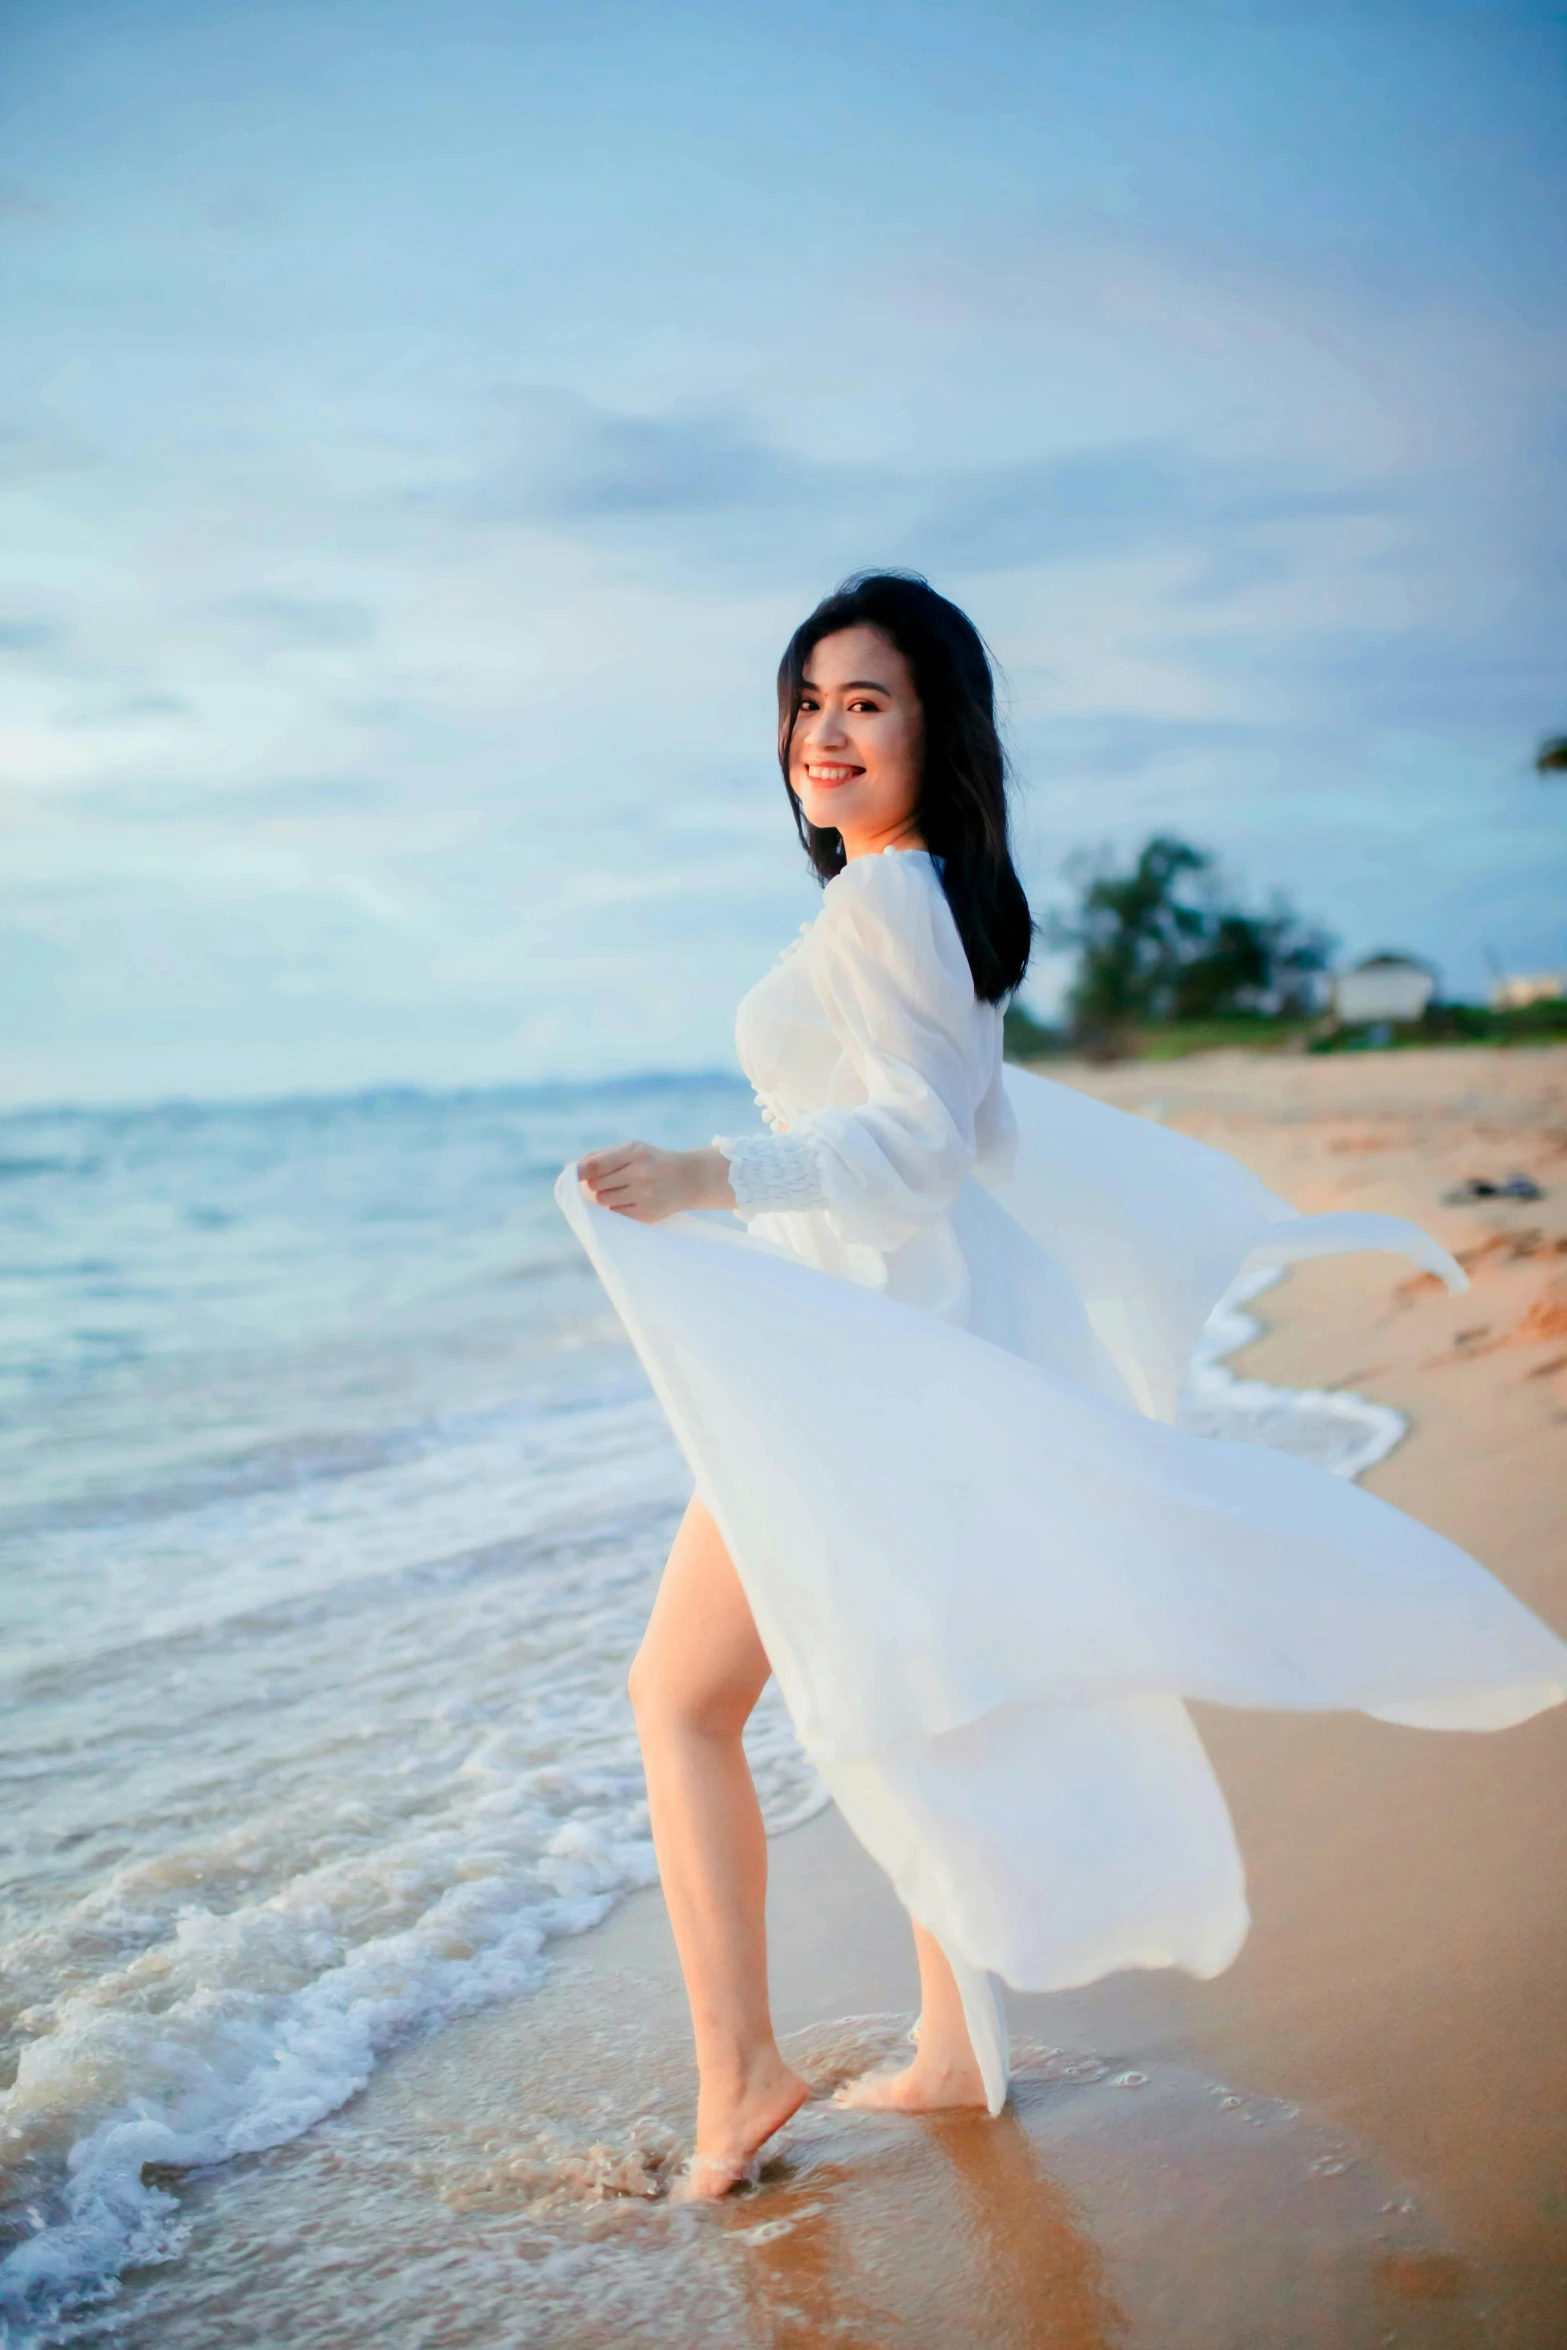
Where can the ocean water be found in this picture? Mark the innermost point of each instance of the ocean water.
(331, 1506)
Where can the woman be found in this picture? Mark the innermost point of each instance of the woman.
(925, 1397)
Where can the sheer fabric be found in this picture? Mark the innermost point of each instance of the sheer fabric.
(926, 1392)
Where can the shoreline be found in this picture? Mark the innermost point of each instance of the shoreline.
(1353, 2135)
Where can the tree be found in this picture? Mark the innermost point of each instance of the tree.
(1160, 943)
(1129, 930)
(1265, 963)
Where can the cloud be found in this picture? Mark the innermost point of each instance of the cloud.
(1102, 504)
(417, 731)
(693, 486)
(242, 212)
(22, 206)
(607, 475)
(127, 709)
(1455, 684)
(30, 635)
(301, 795)
(302, 623)
(1115, 746)
(30, 453)
(1061, 509)
(581, 464)
(287, 798)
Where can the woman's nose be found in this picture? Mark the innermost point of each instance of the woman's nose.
(824, 729)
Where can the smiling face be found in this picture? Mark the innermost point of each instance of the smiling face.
(857, 755)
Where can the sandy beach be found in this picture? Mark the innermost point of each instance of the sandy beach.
(1357, 2136)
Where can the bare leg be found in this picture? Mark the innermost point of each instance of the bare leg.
(698, 1674)
(944, 2072)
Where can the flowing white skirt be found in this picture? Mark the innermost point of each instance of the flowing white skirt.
(987, 1572)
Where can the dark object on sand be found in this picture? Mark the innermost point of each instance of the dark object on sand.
(1475, 1187)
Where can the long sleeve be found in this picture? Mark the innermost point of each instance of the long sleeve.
(891, 1157)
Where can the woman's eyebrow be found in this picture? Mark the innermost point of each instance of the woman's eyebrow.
(855, 685)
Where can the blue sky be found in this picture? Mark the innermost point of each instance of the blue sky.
(422, 424)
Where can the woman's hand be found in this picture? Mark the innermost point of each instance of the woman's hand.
(637, 1180)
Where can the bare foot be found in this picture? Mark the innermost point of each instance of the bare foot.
(731, 2132)
(924, 2086)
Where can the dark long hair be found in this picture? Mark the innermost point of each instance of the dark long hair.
(962, 810)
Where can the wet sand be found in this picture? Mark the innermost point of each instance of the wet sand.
(1357, 2136)
(507, 2183)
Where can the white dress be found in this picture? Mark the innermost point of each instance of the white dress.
(925, 1394)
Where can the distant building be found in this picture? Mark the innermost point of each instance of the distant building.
(1384, 987)
(1528, 987)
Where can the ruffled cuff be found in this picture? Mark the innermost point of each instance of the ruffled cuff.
(771, 1174)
